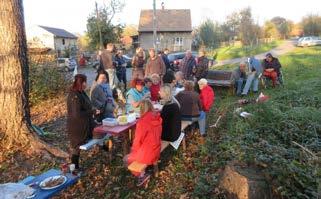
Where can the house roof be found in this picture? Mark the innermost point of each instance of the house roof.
(167, 20)
(59, 32)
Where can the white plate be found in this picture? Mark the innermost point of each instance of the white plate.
(42, 183)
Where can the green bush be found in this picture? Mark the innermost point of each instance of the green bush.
(45, 82)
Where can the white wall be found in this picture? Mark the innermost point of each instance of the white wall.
(39, 38)
(68, 43)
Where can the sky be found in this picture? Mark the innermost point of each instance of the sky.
(72, 15)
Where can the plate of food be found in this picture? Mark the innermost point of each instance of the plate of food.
(53, 182)
(122, 120)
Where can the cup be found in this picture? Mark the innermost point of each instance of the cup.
(72, 167)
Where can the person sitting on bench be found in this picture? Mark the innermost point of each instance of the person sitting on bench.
(135, 95)
(191, 107)
(239, 77)
(171, 116)
(147, 142)
(271, 66)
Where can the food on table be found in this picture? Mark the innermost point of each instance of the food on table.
(122, 120)
(53, 182)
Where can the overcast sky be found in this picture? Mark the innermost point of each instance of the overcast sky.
(72, 14)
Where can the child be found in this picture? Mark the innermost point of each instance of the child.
(148, 84)
(155, 87)
(179, 79)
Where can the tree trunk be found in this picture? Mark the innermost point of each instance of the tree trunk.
(15, 123)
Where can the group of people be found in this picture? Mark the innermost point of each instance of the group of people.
(184, 96)
(270, 68)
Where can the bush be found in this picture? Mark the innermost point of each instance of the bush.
(45, 82)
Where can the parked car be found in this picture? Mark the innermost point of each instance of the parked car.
(309, 41)
(66, 64)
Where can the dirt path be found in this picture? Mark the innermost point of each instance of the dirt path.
(284, 48)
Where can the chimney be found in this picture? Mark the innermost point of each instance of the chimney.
(163, 6)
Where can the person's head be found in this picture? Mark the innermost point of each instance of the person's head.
(155, 78)
(119, 53)
(80, 83)
(188, 54)
(139, 50)
(202, 83)
(269, 57)
(242, 66)
(179, 76)
(102, 77)
(137, 84)
(146, 106)
(148, 82)
(202, 53)
(165, 93)
(169, 77)
(110, 47)
(151, 52)
(189, 86)
(166, 51)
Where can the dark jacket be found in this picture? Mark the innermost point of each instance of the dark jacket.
(190, 103)
(138, 61)
(201, 67)
(166, 61)
(171, 122)
(187, 66)
(119, 63)
(80, 121)
(275, 64)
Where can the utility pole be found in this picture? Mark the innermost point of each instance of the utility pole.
(99, 29)
(154, 26)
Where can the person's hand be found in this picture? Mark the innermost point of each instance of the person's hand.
(97, 112)
(147, 96)
(269, 69)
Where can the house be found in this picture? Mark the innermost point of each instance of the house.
(174, 29)
(56, 39)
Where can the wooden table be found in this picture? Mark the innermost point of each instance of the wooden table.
(124, 131)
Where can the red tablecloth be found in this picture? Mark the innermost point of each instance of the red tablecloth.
(114, 130)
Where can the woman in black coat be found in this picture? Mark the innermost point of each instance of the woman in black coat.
(80, 121)
(170, 114)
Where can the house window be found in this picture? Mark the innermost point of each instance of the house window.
(178, 41)
(63, 41)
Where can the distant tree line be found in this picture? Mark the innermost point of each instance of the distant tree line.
(241, 26)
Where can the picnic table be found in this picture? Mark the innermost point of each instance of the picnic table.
(121, 131)
(43, 194)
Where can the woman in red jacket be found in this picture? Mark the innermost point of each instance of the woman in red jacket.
(206, 96)
(147, 142)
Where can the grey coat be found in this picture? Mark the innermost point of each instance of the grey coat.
(101, 101)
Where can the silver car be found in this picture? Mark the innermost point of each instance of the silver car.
(309, 41)
(66, 64)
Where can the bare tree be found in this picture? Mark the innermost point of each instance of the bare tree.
(15, 123)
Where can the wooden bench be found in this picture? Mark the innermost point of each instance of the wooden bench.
(220, 78)
(93, 142)
(139, 167)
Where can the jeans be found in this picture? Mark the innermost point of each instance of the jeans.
(251, 78)
(112, 78)
(239, 85)
(201, 121)
(121, 75)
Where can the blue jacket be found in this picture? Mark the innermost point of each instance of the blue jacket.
(255, 65)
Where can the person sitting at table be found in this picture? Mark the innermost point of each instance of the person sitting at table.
(179, 78)
(171, 116)
(169, 78)
(191, 107)
(148, 83)
(147, 142)
(271, 68)
(155, 87)
(102, 96)
(135, 95)
(80, 123)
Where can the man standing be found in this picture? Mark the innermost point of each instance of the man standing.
(255, 69)
(201, 66)
(187, 65)
(239, 77)
(165, 59)
(271, 66)
(107, 61)
(154, 64)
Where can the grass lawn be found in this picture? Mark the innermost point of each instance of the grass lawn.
(238, 51)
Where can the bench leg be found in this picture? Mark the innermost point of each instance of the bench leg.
(156, 169)
(110, 149)
(184, 144)
(125, 144)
